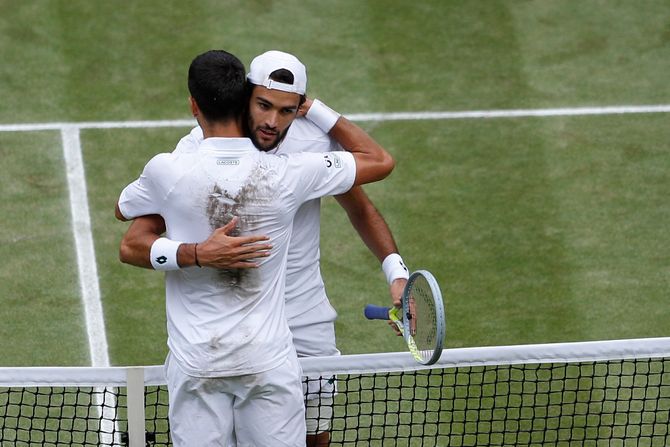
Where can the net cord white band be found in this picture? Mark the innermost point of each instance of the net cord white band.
(368, 363)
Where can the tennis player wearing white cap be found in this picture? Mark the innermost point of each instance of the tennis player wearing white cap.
(275, 129)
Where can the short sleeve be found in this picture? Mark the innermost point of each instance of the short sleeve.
(144, 196)
(316, 175)
(305, 136)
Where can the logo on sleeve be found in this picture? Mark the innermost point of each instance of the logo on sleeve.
(332, 160)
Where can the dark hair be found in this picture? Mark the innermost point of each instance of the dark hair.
(282, 75)
(216, 80)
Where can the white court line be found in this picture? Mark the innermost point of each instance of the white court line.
(520, 113)
(104, 399)
(81, 227)
(397, 116)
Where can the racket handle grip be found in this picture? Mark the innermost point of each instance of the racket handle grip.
(373, 312)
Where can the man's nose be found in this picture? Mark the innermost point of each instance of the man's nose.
(271, 119)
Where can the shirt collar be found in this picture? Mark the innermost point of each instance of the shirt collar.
(229, 145)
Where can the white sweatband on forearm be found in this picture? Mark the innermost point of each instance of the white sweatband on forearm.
(164, 254)
(322, 115)
(394, 268)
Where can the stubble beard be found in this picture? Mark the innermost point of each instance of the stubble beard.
(264, 145)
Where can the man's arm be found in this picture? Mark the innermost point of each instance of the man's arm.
(373, 162)
(136, 243)
(220, 250)
(375, 233)
(368, 222)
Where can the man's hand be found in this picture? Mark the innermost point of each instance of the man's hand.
(219, 251)
(223, 251)
(396, 289)
(304, 107)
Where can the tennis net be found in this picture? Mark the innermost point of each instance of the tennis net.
(607, 393)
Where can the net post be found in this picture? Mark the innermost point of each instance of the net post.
(136, 416)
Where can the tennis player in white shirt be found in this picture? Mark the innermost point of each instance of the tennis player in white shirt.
(232, 367)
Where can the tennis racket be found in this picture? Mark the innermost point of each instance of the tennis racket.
(421, 318)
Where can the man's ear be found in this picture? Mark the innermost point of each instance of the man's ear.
(195, 110)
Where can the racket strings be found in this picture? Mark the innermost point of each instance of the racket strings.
(422, 317)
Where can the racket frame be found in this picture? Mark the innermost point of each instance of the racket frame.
(404, 321)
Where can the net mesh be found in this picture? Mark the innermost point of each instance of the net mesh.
(608, 403)
(58, 416)
(599, 402)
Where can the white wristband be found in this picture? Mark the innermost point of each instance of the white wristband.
(322, 115)
(394, 268)
(164, 254)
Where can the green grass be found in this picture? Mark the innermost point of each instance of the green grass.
(41, 308)
(538, 229)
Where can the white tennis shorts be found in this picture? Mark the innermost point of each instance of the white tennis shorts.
(264, 409)
(314, 331)
(314, 336)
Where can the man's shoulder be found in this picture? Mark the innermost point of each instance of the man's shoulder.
(167, 163)
(190, 141)
(160, 160)
(304, 129)
(289, 165)
(305, 136)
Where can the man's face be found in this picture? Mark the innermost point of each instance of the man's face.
(271, 112)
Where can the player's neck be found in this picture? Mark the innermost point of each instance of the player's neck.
(226, 129)
(229, 128)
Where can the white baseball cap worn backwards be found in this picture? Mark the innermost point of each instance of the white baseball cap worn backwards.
(263, 65)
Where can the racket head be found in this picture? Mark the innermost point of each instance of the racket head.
(424, 322)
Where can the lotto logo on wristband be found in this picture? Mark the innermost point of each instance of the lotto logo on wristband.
(164, 254)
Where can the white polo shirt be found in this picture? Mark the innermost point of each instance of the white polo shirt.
(231, 322)
(304, 285)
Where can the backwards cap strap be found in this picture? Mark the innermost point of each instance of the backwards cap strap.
(274, 85)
